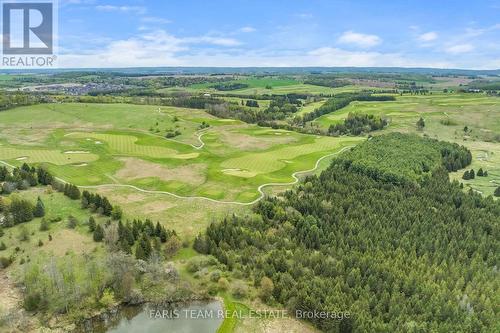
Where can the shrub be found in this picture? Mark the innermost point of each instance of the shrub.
(107, 299)
(239, 290)
(72, 222)
(44, 225)
(5, 262)
(223, 284)
(32, 302)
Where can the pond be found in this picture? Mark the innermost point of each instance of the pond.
(199, 317)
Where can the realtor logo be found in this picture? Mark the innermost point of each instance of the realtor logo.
(28, 29)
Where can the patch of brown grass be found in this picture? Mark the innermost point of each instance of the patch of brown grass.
(134, 168)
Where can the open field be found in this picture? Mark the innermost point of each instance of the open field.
(445, 117)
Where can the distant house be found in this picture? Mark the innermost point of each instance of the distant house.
(206, 95)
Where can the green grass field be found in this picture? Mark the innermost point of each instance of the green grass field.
(96, 144)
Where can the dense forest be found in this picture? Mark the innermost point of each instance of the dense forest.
(413, 256)
(356, 124)
(400, 158)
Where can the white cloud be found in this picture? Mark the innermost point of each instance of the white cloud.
(304, 16)
(428, 36)
(248, 29)
(459, 48)
(221, 41)
(358, 39)
(157, 20)
(123, 9)
(154, 48)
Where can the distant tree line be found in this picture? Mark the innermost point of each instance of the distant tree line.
(326, 81)
(227, 86)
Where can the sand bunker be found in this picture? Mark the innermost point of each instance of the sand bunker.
(76, 152)
(239, 173)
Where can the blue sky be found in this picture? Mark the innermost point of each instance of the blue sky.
(446, 34)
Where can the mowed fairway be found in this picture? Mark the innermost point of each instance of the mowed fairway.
(120, 144)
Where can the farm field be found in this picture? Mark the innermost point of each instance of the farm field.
(99, 144)
(446, 116)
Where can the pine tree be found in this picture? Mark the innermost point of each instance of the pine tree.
(21, 210)
(139, 252)
(158, 229)
(144, 248)
(163, 235)
(98, 233)
(125, 246)
(116, 213)
(4, 172)
(44, 225)
(497, 192)
(472, 174)
(106, 207)
(420, 123)
(92, 224)
(39, 210)
(466, 175)
(156, 245)
(480, 172)
(44, 177)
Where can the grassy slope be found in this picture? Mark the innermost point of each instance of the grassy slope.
(77, 240)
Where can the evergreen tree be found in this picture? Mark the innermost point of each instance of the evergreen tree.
(44, 177)
(116, 213)
(98, 233)
(497, 192)
(92, 224)
(139, 253)
(39, 210)
(4, 172)
(480, 172)
(472, 175)
(106, 207)
(44, 225)
(125, 246)
(21, 210)
(421, 124)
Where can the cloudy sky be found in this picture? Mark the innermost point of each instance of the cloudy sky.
(423, 33)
